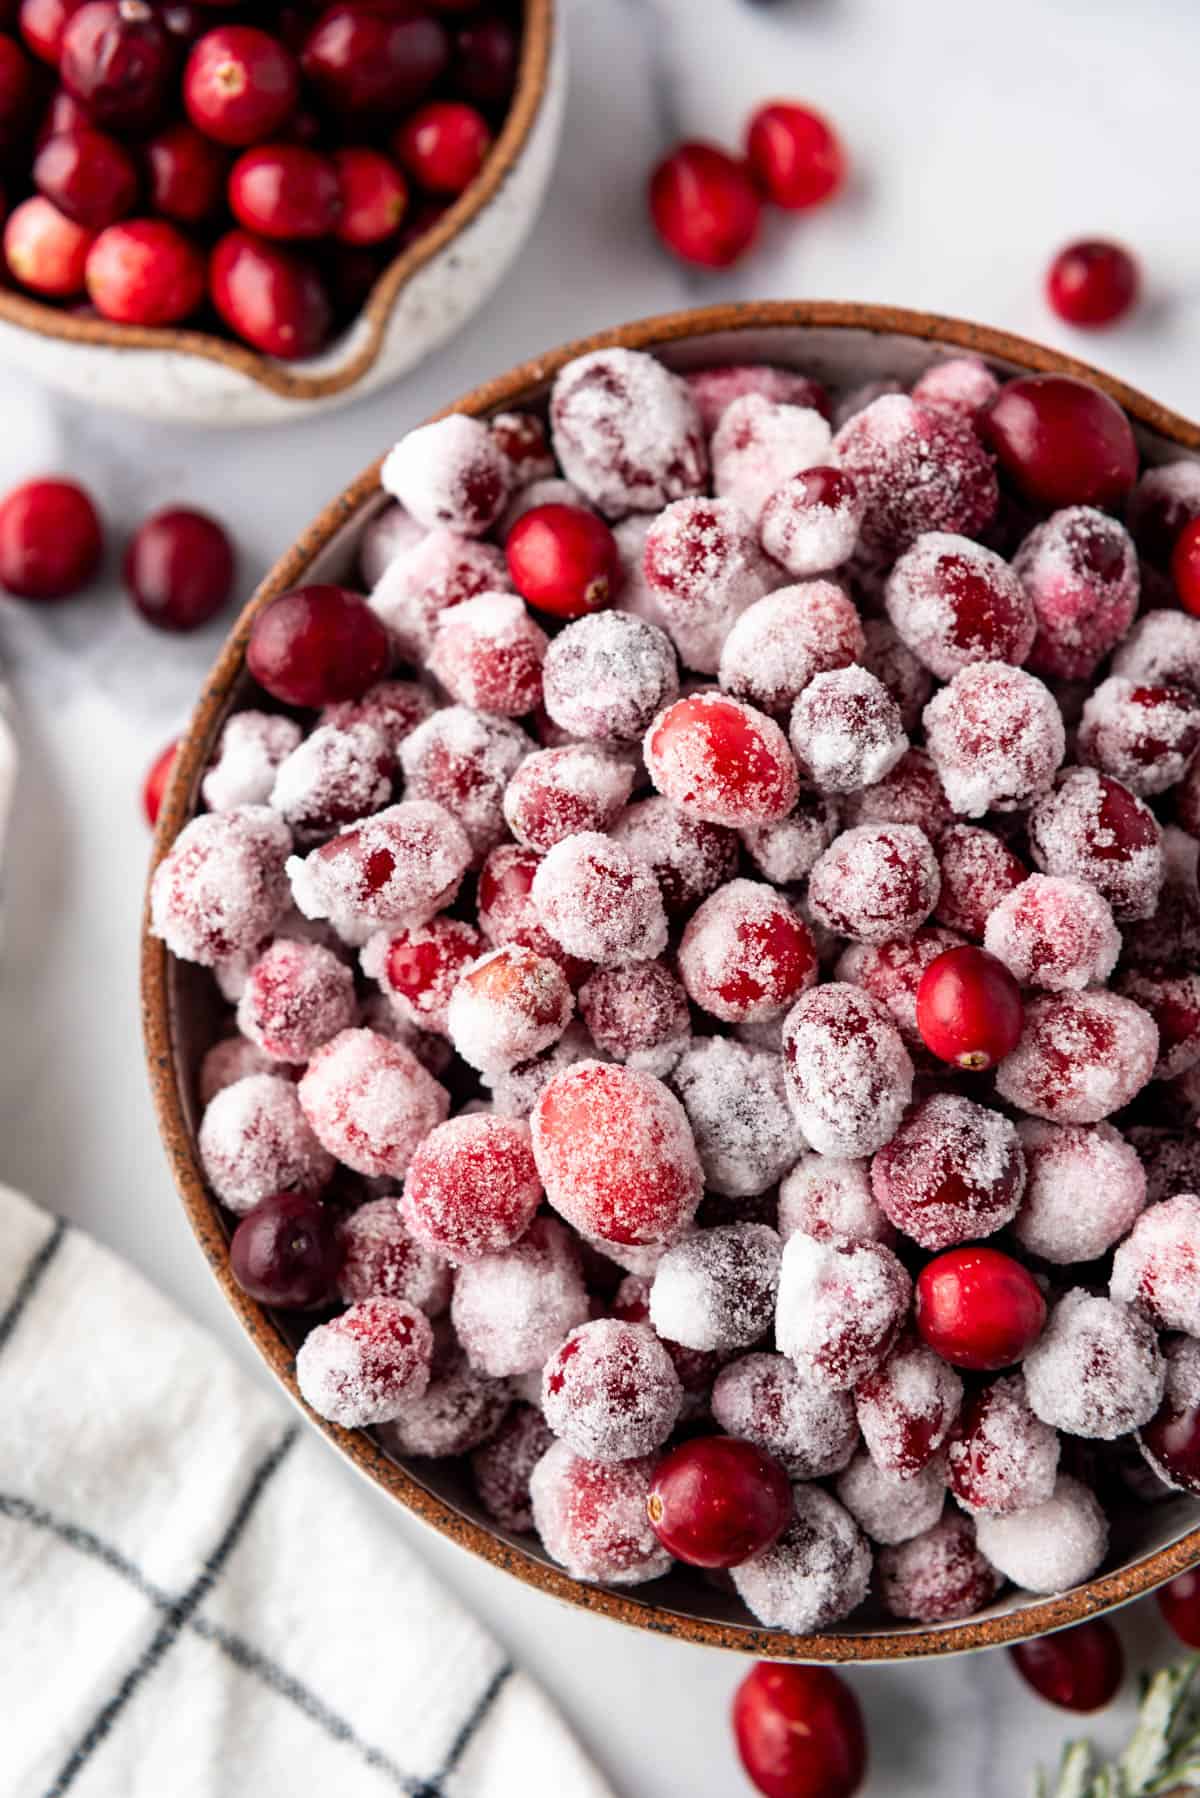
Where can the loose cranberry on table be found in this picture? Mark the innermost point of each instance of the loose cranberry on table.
(145, 272)
(317, 645)
(155, 783)
(285, 1252)
(272, 297)
(1080, 1669)
(718, 1500)
(443, 146)
(45, 250)
(564, 560)
(978, 1308)
(795, 155)
(179, 569)
(704, 205)
(50, 540)
(240, 85)
(1061, 442)
(1179, 1602)
(969, 1009)
(799, 1732)
(1092, 283)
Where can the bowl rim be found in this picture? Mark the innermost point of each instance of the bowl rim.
(1041, 1616)
(288, 380)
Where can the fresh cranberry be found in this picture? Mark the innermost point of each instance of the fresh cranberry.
(1172, 1440)
(1080, 1669)
(179, 569)
(799, 1732)
(564, 560)
(155, 784)
(795, 156)
(284, 190)
(50, 540)
(187, 173)
(978, 1308)
(45, 250)
(485, 60)
(443, 146)
(316, 645)
(704, 205)
(969, 1008)
(374, 196)
(118, 59)
(1179, 1602)
(272, 298)
(145, 272)
(63, 114)
(718, 1500)
(89, 176)
(1061, 441)
(1185, 567)
(18, 93)
(1092, 283)
(369, 61)
(43, 23)
(285, 1252)
(240, 84)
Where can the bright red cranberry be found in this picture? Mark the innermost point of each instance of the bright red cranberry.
(1185, 567)
(179, 569)
(374, 196)
(1080, 1669)
(285, 190)
(155, 784)
(969, 1008)
(443, 146)
(89, 176)
(799, 1732)
(564, 560)
(119, 61)
(1092, 283)
(240, 84)
(271, 297)
(795, 155)
(45, 250)
(1061, 442)
(717, 1500)
(145, 272)
(285, 1252)
(373, 61)
(1179, 1602)
(18, 93)
(978, 1308)
(50, 540)
(704, 205)
(316, 645)
(42, 24)
(485, 60)
(187, 173)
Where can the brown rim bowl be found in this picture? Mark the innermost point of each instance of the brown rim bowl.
(838, 342)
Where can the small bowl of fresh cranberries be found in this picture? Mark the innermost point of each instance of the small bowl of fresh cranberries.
(223, 215)
(672, 980)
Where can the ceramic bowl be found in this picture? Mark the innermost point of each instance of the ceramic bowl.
(420, 300)
(844, 344)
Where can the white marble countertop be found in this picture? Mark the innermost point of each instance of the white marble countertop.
(982, 138)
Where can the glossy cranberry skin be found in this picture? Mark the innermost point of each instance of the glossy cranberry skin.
(155, 784)
(1179, 1602)
(89, 176)
(50, 540)
(1092, 283)
(799, 1732)
(374, 196)
(316, 645)
(18, 93)
(704, 206)
(63, 114)
(1061, 442)
(118, 61)
(717, 1500)
(285, 190)
(145, 272)
(485, 60)
(978, 1308)
(42, 23)
(443, 146)
(367, 61)
(179, 569)
(969, 1009)
(1185, 567)
(186, 173)
(271, 297)
(794, 155)
(1080, 1669)
(1173, 1438)
(240, 85)
(45, 250)
(285, 1252)
(563, 560)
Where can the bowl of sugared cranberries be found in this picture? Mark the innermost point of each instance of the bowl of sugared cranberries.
(672, 981)
(228, 215)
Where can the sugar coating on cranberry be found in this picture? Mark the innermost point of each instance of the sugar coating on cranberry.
(954, 1171)
(610, 1391)
(398, 868)
(745, 954)
(811, 523)
(840, 1308)
(626, 431)
(703, 563)
(606, 677)
(917, 469)
(906, 1410)
(513, 1308)
(472, 1188)
(1157, 1268)
(886, 1507)
(1054, 933)
(1144, 736)
(978, 870)
(229, 1060)
(721, 761)
(963, 384)
(418, 969)
(938, 1576)
(488, 653)
(808, 1428)
(1170, 1442)
(954, 602)
(1161, 649)
(785, 850)
(521, 436)
(221, 887)
(1002, 1457)
(716, 1289)
(509, 1005)
(637, 1014)
(254, 1140)
(1080, 571)
(363, 1367)
(875, 882)
(715, 389)
(458, 1410)
(996, 736)
(1081, 1056)
(849, 1076)
(462, 760)
(598, 901)
(891, 973)
(909, 793)
(370, 1102)
(501, 1468)
(891, 660)
(558, 793)
(592, 1517)
(382, 1259)
(759, 444)
(337, 774)
(1096, 1369)
(830, 1197)
(428, 578)
(815, 1574)
(845, 730)
(689, 857)
(1084, 1189)
(248, 753)
(1173, 1001)
(1051, 1546)
(449, 473)
(745, 1132)
(297, 995)
(783, 640)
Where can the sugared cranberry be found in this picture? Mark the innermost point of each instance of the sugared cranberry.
(145, 272)
(240, 85)
(365, 60)
(421, 967)
(969, 1009)
(799, 1732)
(374, 196)
(50, 540)
(285, 190)
(472, 1188)
(849, 1075)
(1185, 567)
(1093, 829)
(316, 645)
(704, 206)
(1092, 283)
(179, 569)
(745, 953)
(43, 23)
(285, 1252)
(978, 1308)
(953, 1171)
(187, 173)
(907, 1409)
(721, 761)
(1179, 1602)
(485, 60)
(155, 783)
(368, 1364)
(88, 175)
(599, 901)
(811, 523)
(954, 602)
(563, 560)
(272, 298)
(45, 250)
(717, 1500)
(443, 146)
(795, 155)
(917, 469)
(118, 60)
(1061, 442)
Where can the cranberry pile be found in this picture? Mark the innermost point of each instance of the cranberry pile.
(713, 949)
(240, 167)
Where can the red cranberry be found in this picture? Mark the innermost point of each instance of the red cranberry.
(45, 250)
(564, 560)
(145, 272)
(1171, 1439)
(187, 173)
(239, 85)
(799, 1732)
(284, 190)
(50, 540)
(795, 155)
(1080, 1669)
(485, 60)
(18, 93)
(1092, 283)
(42, 24)
(704, 206)
(316, 645)
(179, 569)
(443, 146)
(978, 1308)
(285, 1252)
(64, 113)
(88, 175)
(1061, 442)
(369, 61)
(374, 196)
(1179, 1602)
(272, 298)
(1185, 567)
(718, 1500)
(118, 59)
(155, 784)
(969, 1008)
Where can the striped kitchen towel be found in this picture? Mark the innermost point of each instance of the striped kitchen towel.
(194, 1602)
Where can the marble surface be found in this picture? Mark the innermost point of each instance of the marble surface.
(975, 155)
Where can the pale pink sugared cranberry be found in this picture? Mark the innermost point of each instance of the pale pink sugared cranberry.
(363, 1367)
(891, 972)
(996, 736)
(1054, 933)
(370, 1102)
(512, 1309)
(509, 1005)
(963, 384)
(419, 968)
(891, 660)
(759, 444)
(745, 953)
(785, 850)
(626, 431)
(830, 1197)
(398, 868)
(721, 761)
(637, 1014)
(391, 533)
(381, 1259)
(521, 436)
(1162, 649)
(1156, 1268)
(1081, 1056)
(690, 858)
(507, 914)
(1170, 1442)
(785, 639)
(393, 707)
(805, 1426)
(1096, 1369)
(592, 1518)
(1173, 1001)
(955, 602)
(716, 1289)
(917, 470)
(1051, 1546)
(249, 750)
(463, 760)
(1084, 1189)
(886, 1507)
(1080, 571)
(501, 1468)
(449, 473)
(297, 996)
(488, 653)
(426, 579)
(1144, 736)
(254, 1140)
(610, 1392)
(907, 1408)
(704, 565)
(339, 773)
(231, 1059)
(978, 870)
(953, 1172)
(849, 1075)
(875, 883)
(841, 1307)
(845, 730)
(1002, 1458)
(598, 901)
(607, 677)
(715, 389)
(459, 1409)
(557, 793)
(734, 1094)
(811, 523)
(471, 1187)
(697, 1368)
(222, 886)
(816, 1573)
(939, 1575)
(909, 793)
(1091, 828)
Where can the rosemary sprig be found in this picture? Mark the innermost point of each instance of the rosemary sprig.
(1162, 1756)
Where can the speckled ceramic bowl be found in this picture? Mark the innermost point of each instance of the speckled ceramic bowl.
(845, 344)
(420, 300)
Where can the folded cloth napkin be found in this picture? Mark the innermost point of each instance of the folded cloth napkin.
(194, 1602)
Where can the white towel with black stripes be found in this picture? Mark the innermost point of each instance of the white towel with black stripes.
(194, 1602)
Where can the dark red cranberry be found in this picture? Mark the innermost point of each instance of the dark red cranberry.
(1179, 1602)
(443, 146)
(351, 273)
(284, 190)
(187, 173)
(270, 296)
(1080, 1669)
(1172, 1437)
(42, 23)
(285, 1252)
(374, 196)
(63, 114)
(564, 560)
(704, 205)
(799, 1732)
(978, 1308)
(795, 156)
(969, 1009)
(1061, 442)
(50, 540)
(1092, 283)
(485, 60)
(45, 250)
(119, 61)
(179, 569)
(1185, 567)
(89, 176)
(365, 61)
(155, 784)
(145, 272)
(317, 645)
(18, 93)
(717, 1500)
(240, 84)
